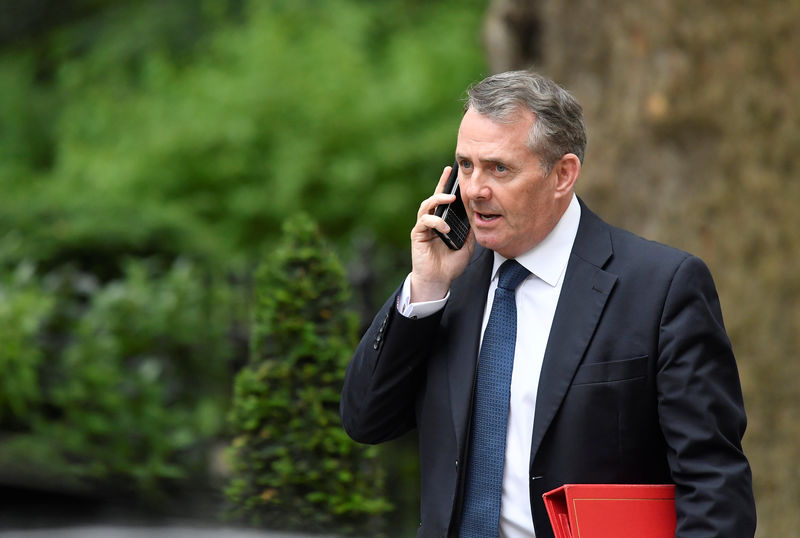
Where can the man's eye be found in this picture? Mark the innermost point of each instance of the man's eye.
(465, 164)
(500, 168)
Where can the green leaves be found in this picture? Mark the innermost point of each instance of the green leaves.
(285, 408)
(202, 143)
(24, 309)
(148, 148)
(124, 383)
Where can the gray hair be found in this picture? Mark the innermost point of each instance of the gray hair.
(558, 129)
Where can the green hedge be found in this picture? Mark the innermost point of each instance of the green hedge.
(24, 308)
(294, 467)
(119, 387)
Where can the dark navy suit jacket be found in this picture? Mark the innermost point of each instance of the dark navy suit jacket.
(638, 385)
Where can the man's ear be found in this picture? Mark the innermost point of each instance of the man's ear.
(567, 170)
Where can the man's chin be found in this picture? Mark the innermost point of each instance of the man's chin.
(488, 240)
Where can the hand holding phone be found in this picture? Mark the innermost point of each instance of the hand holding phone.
(454, 214)
(434, 265)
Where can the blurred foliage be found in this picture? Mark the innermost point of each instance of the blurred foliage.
(139, 381)
(149, 153)
(196, 128)
(293, 465)
(122, 386)
(24, 308)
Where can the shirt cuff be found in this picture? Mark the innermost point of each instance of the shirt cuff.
(417, 310)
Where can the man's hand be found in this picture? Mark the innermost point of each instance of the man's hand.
(434, 265)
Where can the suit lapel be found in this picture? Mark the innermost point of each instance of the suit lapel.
(465, 316)
(583, 297)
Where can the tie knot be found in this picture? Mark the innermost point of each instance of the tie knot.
(511, 275)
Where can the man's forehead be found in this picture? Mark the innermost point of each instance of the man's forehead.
(480, 132)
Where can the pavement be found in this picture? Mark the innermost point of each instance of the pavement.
(26, 513)
(112, 531)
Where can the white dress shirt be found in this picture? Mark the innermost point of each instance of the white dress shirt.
(537, 298)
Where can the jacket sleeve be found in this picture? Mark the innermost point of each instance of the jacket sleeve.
(701, 411)
(385, 375)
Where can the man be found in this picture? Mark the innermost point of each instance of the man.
(604, 361)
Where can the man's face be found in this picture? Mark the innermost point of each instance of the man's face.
(511, 205)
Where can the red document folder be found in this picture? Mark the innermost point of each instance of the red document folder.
(612, 511)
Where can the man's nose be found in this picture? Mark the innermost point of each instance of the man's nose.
(474, 187)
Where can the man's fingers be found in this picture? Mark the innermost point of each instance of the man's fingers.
(423, 230)
(443, 179)
(428, 206)
(434, 222)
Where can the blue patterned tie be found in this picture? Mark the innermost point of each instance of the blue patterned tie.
(487, 448)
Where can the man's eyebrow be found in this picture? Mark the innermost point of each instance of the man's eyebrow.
(489, 159)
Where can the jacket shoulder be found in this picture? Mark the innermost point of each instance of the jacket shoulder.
(624, 248)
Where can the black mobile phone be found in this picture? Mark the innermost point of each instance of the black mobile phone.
(454, 214)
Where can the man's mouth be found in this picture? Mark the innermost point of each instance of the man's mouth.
(486, 217)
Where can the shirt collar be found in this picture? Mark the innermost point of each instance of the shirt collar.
(548, 260)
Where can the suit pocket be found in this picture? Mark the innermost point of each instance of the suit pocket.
(606, 372)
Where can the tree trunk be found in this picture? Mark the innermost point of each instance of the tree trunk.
(693, 136)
